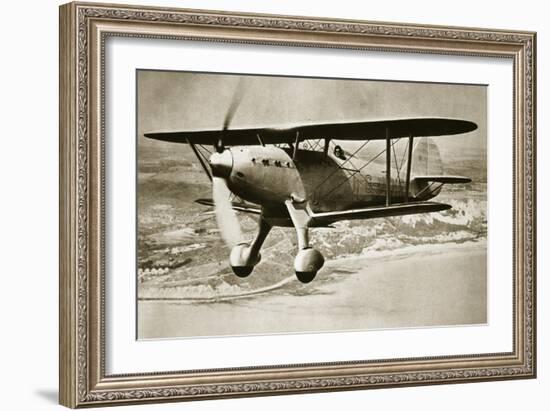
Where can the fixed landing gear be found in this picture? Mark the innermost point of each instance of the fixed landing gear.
(308, 261)
(242, 261)
(245, 257)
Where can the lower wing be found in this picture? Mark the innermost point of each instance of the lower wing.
(375, 212)
(326, 218)
(238, 206)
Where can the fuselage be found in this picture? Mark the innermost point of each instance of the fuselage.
(268, 176)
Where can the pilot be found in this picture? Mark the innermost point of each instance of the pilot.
(338, 152)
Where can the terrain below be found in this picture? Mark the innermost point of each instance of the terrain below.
(417, 286)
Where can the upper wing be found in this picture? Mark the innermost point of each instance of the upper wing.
(375, 212)
(364, 130)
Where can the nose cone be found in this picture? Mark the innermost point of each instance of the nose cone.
(221, 164)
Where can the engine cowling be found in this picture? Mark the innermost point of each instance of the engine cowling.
(261, 175)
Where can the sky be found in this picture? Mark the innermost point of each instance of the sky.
(172, 101)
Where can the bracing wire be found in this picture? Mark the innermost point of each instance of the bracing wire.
(362, 167)
(340, 166)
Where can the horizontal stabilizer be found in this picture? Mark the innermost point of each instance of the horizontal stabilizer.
(442, 179)
(243, 207)
(382, 211)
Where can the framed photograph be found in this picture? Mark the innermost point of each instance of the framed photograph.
(260, 204)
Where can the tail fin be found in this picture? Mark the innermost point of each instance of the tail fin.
(426, 159)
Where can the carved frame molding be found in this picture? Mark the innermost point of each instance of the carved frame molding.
(83, 30)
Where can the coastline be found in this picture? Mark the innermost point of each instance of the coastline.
(415, 286)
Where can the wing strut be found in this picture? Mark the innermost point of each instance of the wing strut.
(201, 160)
(296, 145)
(327, 143)
(388, 167)
(409, 164)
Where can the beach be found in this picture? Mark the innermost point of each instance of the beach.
(418, 286)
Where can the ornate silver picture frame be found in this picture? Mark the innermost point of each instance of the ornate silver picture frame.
(85, 30)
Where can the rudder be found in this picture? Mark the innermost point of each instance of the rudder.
(426, 159)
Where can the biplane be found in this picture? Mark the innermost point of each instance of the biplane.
(299, 176)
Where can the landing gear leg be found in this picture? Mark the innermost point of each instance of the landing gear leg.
(308, 261)
(244, 257)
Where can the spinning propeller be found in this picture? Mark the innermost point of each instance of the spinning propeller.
(221, 163)
(228, 223)
(231, 110)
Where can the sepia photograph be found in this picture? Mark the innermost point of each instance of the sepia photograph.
(274, 204)
(271, 204)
